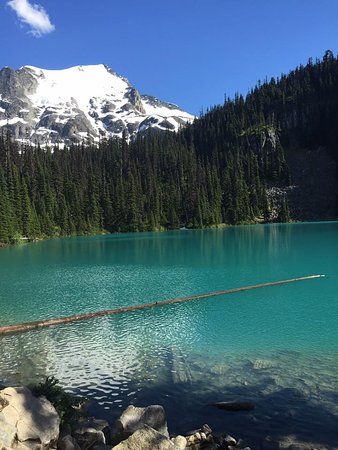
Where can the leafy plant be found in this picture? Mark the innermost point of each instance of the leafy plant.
(67, 405)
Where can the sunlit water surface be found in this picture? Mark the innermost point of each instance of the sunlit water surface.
(276, 347)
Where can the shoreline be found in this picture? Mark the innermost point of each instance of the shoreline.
(221, 226)
(48, 418)
(141, 425)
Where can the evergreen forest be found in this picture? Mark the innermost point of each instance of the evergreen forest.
(221, 169)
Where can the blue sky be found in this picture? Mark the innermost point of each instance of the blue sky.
(190, 52)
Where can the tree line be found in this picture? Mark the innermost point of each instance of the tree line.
(214, 171)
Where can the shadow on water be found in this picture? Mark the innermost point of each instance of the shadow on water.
(286, 415)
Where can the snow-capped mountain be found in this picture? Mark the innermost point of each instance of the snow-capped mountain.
(79, 104)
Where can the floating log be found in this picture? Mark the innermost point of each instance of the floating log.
(28, 326)
(234, 406)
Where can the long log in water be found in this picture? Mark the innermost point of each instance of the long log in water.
(28, 326)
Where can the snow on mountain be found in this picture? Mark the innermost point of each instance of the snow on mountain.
(79, 104)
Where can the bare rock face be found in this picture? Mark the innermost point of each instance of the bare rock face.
(146, 438)
(27, 422)
(134, 418)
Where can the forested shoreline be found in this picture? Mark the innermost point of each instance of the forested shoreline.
(220, 169)
(152, 184)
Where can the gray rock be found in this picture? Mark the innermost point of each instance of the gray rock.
(153, 101)
(146, 438)
(87, 425)
(180, 442)
(113, 125)
(102, 447)
(7, 433)
(135, 99)
(229, 440)
(166, 124)
(68, 443)
(27, 421)
(88, 437)
(134, 418)
(17, 83)
(108, 107)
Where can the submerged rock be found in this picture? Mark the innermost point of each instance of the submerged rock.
(261, 364)
(219, 369)
(234, 406)
(27, 421)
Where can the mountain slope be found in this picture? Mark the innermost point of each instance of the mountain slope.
(79, 104)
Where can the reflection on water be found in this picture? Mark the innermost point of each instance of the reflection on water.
(276, 347)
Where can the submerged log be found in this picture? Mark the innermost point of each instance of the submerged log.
(28, 326)
(180, 370)
(234, 406)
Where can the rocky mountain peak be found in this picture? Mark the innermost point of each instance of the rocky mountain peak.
(79, 104)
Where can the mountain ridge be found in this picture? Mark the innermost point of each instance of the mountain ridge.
(79, 104)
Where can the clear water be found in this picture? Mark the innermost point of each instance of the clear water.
(276, 346)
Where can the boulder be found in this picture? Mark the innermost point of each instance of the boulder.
(27, 421)
(68, 443)
(229, 440)
(89, 438)
(146, 438)
(91, 431)
(7, 433)
(204, 429)
(102, 447)
(134, 418)
(180, 442)
(201, 438)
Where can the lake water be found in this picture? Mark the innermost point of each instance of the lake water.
(276, 346)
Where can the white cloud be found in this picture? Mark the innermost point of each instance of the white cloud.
(33, 15)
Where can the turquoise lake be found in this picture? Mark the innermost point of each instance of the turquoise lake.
(276, 346)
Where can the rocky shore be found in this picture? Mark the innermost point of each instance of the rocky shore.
(30, 422)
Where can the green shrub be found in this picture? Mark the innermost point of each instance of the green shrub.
(68, 406)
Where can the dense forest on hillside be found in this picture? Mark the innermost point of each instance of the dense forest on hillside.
(232, 165)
